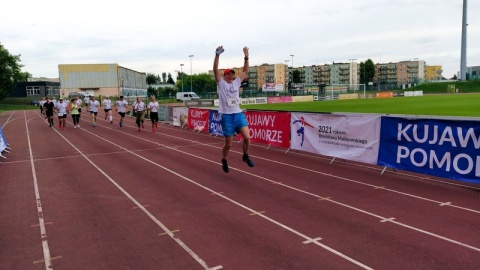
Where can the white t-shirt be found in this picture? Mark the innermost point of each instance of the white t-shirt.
(79, 103)
(107, 104)
(139, 106)
(229, 97)
(121, 105)
(153, 106)
(93, 105)
(62, 108)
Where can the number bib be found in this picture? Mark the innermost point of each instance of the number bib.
(60, 114)
(232, 102)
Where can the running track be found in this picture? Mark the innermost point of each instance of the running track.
(107, 197)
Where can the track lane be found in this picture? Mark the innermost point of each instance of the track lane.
(248, 182)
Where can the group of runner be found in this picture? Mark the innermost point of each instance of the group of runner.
(63, 107)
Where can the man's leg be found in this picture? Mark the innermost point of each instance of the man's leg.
(226, 148)
(245, 132)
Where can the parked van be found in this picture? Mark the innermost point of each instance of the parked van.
(181, 96)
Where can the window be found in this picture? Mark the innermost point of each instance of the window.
(33, 90)
(49, 91)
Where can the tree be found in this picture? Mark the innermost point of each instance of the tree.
(296, 76)
(164, 77)
(170, 79)
(152, 78)
(367, 71)
(10, 72)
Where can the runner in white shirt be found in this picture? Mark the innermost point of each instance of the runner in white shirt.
(79, 103)
(42, 101)
(86, 100)
(93, 109)
(62, 108)
(139, 109)
(153, 108)
(233, 119)
(121, 107)
(107, 108)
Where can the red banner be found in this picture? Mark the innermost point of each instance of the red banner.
(271, 128)
(198, 119)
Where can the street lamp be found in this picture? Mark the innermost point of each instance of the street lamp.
(191, 74)
(181, 74)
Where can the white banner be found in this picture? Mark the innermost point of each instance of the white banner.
(272, 87)
(352, 137)
(180, 116)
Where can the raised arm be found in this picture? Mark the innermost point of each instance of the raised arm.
(244, 73)
(217, 74)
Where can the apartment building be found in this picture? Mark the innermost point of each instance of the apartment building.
(391, 74)
(433, 73)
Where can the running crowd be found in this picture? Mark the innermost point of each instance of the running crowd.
(64, 107)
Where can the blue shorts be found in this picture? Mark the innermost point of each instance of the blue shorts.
(232, 123)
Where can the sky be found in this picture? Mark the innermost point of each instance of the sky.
(158, 36)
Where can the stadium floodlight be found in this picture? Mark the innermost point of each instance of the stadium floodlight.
(191, 74)
(181, 74)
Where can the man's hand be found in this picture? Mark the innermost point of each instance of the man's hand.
(245, 51)
(219, 50)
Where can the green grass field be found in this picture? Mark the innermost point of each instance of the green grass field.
(440, 105)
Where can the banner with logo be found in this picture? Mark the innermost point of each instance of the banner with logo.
(180, 116)
(352, 137)
(215, 125)
(273, 87)
(3, 141)
(445, 148)
(198, 119)
(271, 128)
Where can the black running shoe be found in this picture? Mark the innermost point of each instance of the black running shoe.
(225, 165)
(248, 160)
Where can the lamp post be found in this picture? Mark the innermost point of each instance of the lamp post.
(181, 74)
(191, 74)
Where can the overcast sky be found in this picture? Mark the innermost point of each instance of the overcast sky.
(158, 36)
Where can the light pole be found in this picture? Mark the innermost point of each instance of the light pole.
(181, 74)
(191, 74)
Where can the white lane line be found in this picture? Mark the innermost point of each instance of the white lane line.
(369, 185)
(317, 172)
(222, 196)
(152, 217)
(43, 231)
(312, 194)
(313, 240)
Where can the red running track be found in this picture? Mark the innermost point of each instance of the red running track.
(107, 197)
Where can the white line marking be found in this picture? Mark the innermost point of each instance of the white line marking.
(152, 217)
(313, 240)
(306, 192)
(446, 203)
(211, 191)
(43, 232)
(256, 213)
(387, 219)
